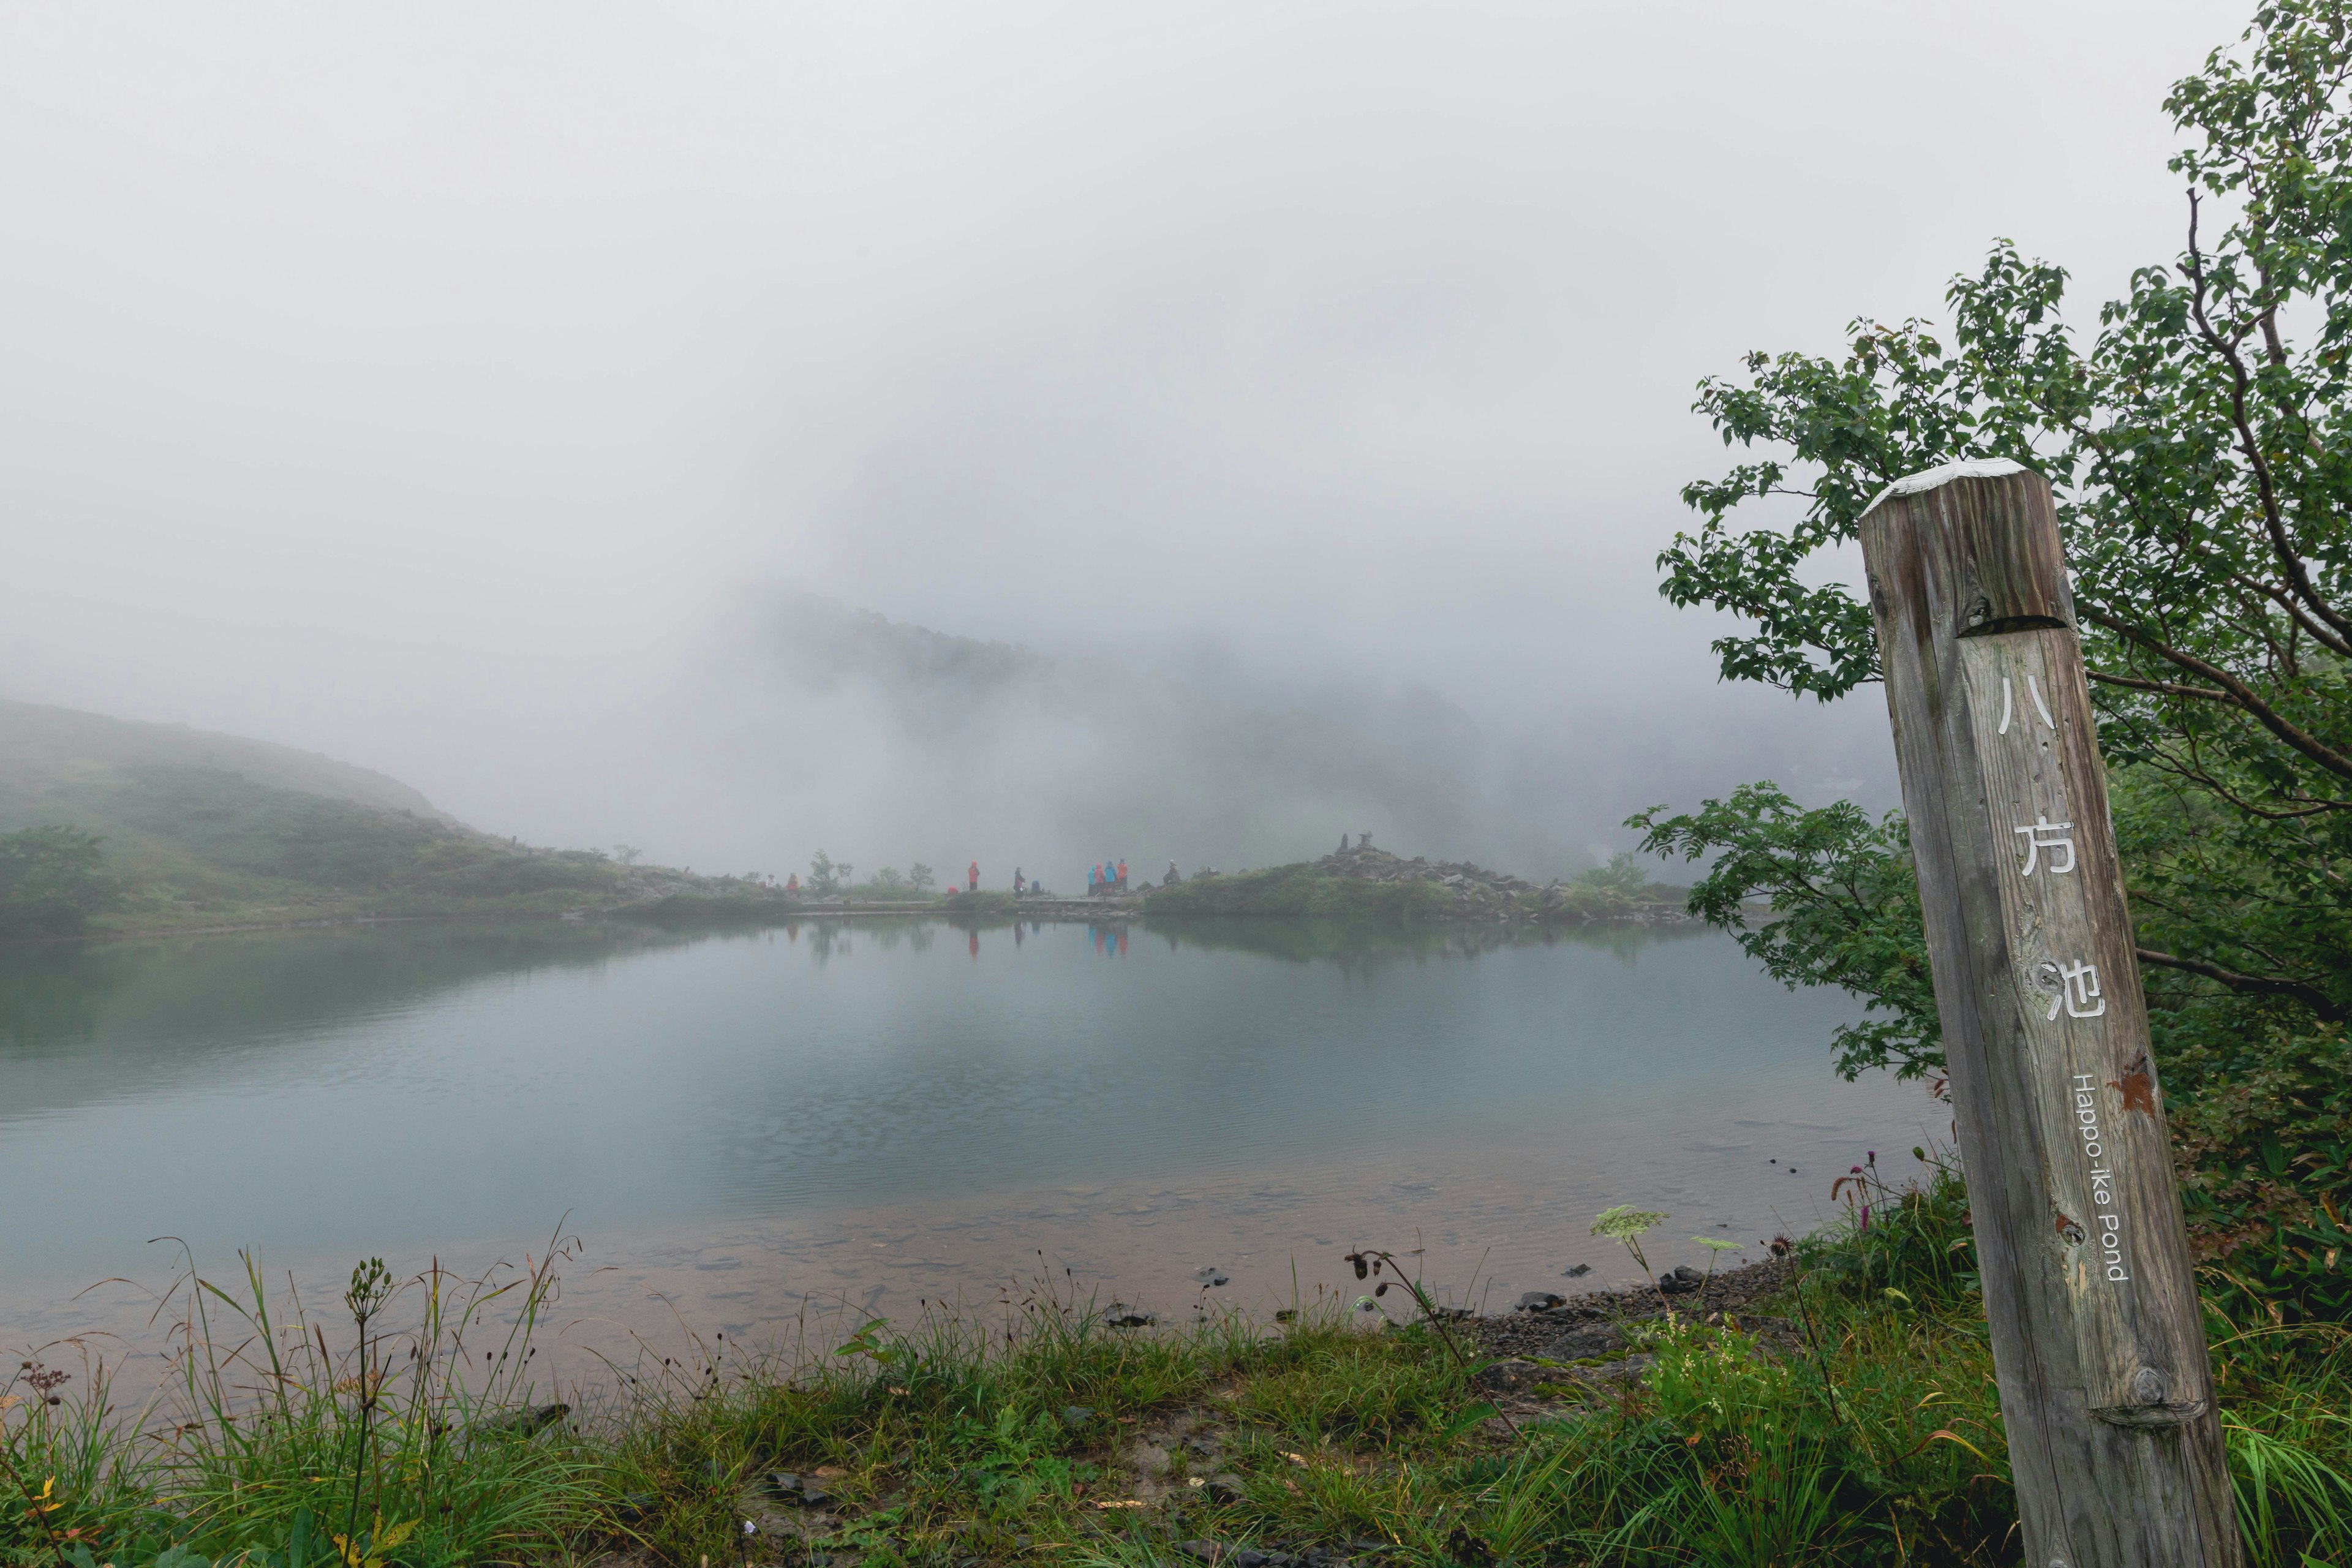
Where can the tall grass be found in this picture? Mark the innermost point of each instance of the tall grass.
(1855, 1423)
(302, 1441)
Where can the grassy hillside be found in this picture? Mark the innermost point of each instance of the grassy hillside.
(1303, 891)
(204, 829)
(1371, 886)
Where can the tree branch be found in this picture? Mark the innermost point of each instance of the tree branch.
(2273, 521)
(2310, 995)
(2240, 694)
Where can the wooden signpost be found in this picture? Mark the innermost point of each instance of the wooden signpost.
(2106, 1389)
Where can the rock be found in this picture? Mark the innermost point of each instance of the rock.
(1226, 1487)
(1129, 1321)
(1076, 1414)
(524, 1423)
(1204, 1550)
(1683, 1280)
(1512, 1376)
(1201, 1447)
(1211, 1276)
(1625, 1369)
(1541, 1301)
(1576, 1271)
(1150, 1458)
(801, 1492)
(1592, 1341)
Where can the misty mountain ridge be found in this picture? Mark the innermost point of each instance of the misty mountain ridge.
(899, 734)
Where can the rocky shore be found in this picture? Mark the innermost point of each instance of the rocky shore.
(1552, 1345)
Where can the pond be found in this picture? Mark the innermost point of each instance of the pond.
(871, 1115)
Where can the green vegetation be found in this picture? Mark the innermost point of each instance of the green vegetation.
(112, 827)
(1621, 890)
(52, 881)
(1851, 1421)
(1375, 887)
(1302, 891)
(2198, 437)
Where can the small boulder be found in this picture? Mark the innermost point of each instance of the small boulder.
(1683, 1280)
(1226, 1487)
(1512, 1376)
(801, 1492)
(524, 1423)
(1599, 1340)
(1576, 1271)
(1541, 1301)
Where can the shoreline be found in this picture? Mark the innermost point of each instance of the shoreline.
(1060, 909)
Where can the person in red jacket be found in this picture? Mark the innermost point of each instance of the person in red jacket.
(972, 885)
(1122, 876)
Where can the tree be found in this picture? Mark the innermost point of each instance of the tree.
(626, 854)
(1845, 907)
(2201, 446)
(889, 880)
(921, 878)
(52, 881)
(824, 877)
(2198, 434)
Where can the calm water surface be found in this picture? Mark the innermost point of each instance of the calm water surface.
(871, 1114)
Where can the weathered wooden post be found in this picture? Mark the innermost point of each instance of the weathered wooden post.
(2098, 1345)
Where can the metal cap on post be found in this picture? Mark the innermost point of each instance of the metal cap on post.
(2098, 1344)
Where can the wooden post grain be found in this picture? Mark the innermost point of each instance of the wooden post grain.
(2107, 1388)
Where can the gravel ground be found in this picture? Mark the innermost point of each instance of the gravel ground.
(1590, 1329)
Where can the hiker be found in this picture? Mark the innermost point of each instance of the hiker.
(1122, 876)
(1094, 881)
(793, 883)
(974, 884)
(1016, 881)
(1173, 877)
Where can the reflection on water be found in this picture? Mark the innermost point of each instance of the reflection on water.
(843, 1106)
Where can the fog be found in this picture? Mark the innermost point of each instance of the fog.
(478, 394)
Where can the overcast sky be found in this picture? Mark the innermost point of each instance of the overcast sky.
(428, 384)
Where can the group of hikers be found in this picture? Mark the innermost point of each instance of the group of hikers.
(1105, 879)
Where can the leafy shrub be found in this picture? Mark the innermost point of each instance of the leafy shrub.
(52, 881)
